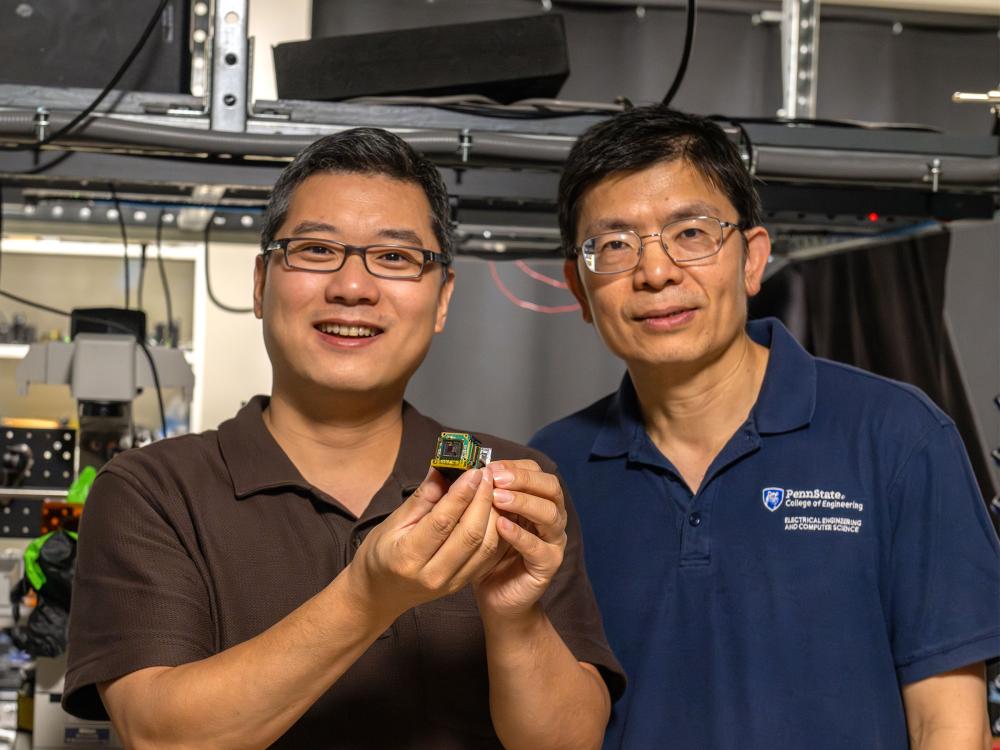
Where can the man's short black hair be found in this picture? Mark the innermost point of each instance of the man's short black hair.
(644, 136)
(369, 151)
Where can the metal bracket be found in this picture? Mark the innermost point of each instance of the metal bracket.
(799, 57)
(195, 219)
(229, 101)
(766, 17)
(201, 28)
(974, 97)
(934, 174)
(41, 122)
(465, 144)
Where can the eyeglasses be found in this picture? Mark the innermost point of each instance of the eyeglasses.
(328, 256)
(684, 241)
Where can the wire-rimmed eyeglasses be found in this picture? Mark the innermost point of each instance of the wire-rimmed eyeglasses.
(684, 241)
(327, 256)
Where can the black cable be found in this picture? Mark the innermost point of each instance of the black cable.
(847, 124)
(208, 280)
(46, 166)
(123, 68)
(142, 276)
(156, 384)
(29, 303)
(163, 280)
(689, 18)
(121, 227)
(539, 110)
(10, 295)
(499, 111)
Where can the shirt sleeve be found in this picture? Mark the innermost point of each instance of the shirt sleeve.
(570, 605)
(139, 599)
(945, 568)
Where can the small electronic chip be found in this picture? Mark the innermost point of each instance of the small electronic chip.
(457, 452)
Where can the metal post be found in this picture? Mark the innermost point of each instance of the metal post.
(230, 67)
(201, 53)
(799, 55)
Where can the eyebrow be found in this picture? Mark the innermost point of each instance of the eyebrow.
(408, 236)
(682, 211)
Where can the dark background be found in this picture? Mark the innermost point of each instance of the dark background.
(866, 71)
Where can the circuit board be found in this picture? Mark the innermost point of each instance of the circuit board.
(457, 452)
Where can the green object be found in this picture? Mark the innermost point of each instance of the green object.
(31, 567)
(80, 488)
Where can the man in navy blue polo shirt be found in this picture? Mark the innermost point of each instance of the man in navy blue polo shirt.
(787, 552)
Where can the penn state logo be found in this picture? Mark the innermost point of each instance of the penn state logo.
(773, 498)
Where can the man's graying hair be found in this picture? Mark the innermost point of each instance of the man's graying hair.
(644, 136)
(368, 151)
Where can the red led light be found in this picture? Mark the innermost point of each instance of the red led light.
(873, 216)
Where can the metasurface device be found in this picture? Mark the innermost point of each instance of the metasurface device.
(457, 452)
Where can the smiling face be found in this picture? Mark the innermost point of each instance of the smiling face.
(661, 313)
(349, 332)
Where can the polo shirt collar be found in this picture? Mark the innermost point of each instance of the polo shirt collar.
(786, 401)
(623, 427)
(257, 463)
(253, 457)
(420, 434)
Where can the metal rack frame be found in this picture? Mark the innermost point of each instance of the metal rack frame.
(223, 152)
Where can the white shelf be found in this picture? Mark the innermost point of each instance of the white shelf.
(13, 351)
(18, 351)
(50, 246)
(33, 493)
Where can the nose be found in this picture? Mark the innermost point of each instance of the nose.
(352, 284)
(656, 269)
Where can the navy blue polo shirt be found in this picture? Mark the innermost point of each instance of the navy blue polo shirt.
(837, 548)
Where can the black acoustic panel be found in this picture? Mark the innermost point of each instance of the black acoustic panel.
(50, 454)
(860, 200)
(506, 60)
(81, 43)
(20, 517)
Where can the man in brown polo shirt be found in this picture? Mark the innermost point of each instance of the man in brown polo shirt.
(298, 578)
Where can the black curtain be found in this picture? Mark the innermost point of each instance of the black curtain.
(882, 309)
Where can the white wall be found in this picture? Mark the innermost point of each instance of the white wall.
(235, 365)
(270, 23)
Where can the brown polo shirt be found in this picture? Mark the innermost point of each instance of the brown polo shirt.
(195, 544)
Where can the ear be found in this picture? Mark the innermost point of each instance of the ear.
(758, 250)
(571, 270)
(444, 299)
(259, 277)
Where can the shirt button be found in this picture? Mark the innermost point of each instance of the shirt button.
(695, 519)
(356, 540)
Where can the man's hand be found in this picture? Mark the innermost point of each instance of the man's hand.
(435, 543)
(537, 539)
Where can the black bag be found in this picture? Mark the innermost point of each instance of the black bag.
(49, 566)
